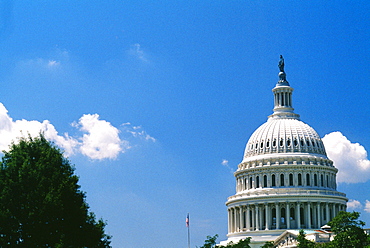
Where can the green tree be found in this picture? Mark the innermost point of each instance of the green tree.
(348, 231)
(210, 242)
(303, 242)
(41, 204)
(268, 244)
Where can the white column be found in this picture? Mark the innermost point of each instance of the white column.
(267, 216)
(228, 221)
(248, 218)
(235, 220)
(327, 213)
(257, 218)
(287, 215)
(241, 216)
(318, 215)
(277, 216)
(253, 218)
(309, 215)
(298, 215)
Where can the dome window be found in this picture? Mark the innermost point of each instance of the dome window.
(295, 142)
(281, 142)
(299, 179)
(282, 180)
(313, 143)
(302, 142)
(290, 179)
(265, 181)
(261, 144)
(273, 181)
(274, 143)
(251, 146)
(288, 142)
(308, 143)
(268, 143)
(308, 179)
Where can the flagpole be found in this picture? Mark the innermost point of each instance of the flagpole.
(188, 237)
(188, 226)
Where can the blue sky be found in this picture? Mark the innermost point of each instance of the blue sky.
(154, 101)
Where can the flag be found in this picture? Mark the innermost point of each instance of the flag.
(187, 221)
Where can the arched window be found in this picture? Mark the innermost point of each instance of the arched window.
(299, 179)
(265, 181)
(302, 142)
(295, 142)
(327, 181)
(282, 180)
(288, 142)
(282, 216)
(290, 179)
(292, 214)
(308, 179)
(274, 143)
(302, 214)
(250, 182)
(257, 181)
(315, 179)
(261, 144)
(268, 143)
(281, 142)
(273, 181)
(322, 180)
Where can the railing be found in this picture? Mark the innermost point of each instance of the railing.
(286, 191)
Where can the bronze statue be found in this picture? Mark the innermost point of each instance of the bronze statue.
(281, 63)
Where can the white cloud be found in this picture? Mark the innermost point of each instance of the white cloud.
(99, 138)
(11, 130)
(367, 206)
(102, 139)
(136, 131)
(137, 52)
(226, 164)
(354, 204)
(350, 158)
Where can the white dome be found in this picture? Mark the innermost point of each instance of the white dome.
(284, 135)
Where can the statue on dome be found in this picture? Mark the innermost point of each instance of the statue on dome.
(281, 63)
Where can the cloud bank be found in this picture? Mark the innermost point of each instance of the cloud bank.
(350, 158)
(354, 204)
(97, 139)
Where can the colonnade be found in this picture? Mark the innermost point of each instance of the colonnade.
(281, 215)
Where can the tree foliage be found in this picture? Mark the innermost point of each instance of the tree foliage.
(348, 231)
(210, 242)
(41, 204)
(268, 244)
(303, 242)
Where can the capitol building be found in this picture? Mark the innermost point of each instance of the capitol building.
(285, 180)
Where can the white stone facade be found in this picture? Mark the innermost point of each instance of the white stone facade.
(285, 181)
